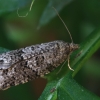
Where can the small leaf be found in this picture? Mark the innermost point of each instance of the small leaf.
(87, 49)
(69, 89)
(47, 94)
(49, 13)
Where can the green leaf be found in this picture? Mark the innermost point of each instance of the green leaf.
(49, 13)
(11, 5)
(67, 88)
(48, 94)
(87, 49)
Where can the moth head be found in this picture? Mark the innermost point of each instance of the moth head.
(73, 46)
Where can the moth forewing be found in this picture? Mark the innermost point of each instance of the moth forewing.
(29, 63)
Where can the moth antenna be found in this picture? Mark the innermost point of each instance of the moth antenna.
(63, 24)
(28, 11)
(70, 38)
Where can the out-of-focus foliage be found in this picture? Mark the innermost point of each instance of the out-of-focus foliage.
(7, 6)
(42, 25)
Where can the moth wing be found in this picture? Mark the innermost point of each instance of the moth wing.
(5, 65)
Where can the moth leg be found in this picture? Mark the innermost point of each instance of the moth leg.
(69, 65)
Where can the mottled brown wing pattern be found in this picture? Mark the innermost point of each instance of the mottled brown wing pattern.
(25, 64)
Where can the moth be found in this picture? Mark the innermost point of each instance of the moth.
(25, 64)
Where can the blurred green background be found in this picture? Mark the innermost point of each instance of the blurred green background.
(43, 25)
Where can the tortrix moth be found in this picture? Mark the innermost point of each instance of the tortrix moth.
(22, 65)
(25, 64)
